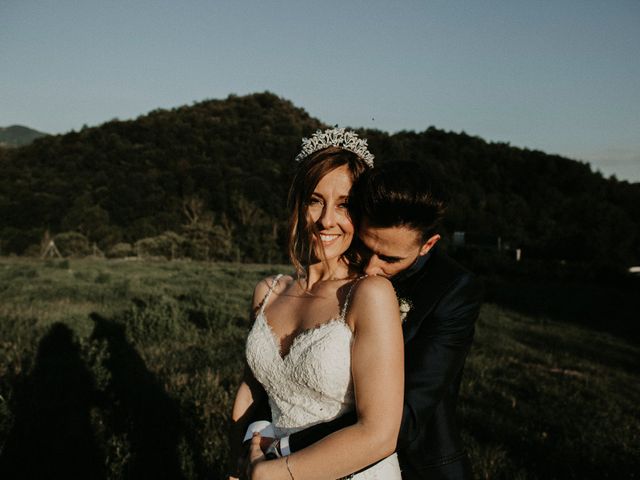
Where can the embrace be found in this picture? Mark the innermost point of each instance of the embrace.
(357, 356)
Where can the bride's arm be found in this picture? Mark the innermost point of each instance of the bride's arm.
(377, 368)
(249, 394)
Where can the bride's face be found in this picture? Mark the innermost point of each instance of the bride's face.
(327, 209)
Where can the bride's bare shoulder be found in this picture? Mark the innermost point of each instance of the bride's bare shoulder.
(373, 292)
(277, 282)
(372, 285)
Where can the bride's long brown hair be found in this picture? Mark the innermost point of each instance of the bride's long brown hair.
(311, 170)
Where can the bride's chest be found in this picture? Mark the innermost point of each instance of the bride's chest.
(299, 313)
(318, 359)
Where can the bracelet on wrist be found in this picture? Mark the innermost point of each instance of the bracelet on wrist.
(286, 462)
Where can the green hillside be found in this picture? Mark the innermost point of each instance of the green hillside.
(17, 136)
(214, 175)
(127, 369)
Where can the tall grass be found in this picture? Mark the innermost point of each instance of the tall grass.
(115, 369)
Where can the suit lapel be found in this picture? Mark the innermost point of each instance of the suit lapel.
(424, 289)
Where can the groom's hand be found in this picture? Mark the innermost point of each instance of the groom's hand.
(255, 454)
(265, 442)
(243, 461)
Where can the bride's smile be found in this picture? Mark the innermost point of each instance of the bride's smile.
(328, 238)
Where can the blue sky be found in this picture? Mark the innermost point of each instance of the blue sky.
(558, 76)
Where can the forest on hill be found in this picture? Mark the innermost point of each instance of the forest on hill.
(209, 181)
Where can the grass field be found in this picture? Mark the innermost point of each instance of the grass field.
(116, 369)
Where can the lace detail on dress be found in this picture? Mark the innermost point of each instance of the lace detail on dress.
(312, 383)
(269, 292)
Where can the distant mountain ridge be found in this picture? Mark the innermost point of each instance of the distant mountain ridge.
(18, 135)
(217, 172)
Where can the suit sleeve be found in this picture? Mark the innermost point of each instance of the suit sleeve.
(434, 357)
(308, 436)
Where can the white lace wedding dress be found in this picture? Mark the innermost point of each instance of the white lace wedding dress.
(312, 383)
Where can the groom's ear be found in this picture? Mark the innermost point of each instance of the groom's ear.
(428, 245)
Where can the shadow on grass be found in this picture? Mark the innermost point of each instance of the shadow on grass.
(542, 439)
(609, 308)
(597, 350)
(52, 435)
(137, 406)
(64, 426)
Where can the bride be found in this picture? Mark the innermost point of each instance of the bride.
(325, 340)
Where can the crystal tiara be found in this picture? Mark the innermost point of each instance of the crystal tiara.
(336, 137)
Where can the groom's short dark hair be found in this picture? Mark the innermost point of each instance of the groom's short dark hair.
(397, 194)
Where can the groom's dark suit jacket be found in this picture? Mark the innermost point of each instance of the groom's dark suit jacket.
(437, 334)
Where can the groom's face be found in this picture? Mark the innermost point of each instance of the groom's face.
(390, 250)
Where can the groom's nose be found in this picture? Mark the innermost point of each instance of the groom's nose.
(374, 266)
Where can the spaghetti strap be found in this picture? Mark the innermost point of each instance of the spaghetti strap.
(269, 292)
(343, 313)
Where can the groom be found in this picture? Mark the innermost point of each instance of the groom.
(399, 220)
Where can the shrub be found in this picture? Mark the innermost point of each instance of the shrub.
(121, 250)
(208, 243)
(34, 250)
(169, 245)
(72, 244)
